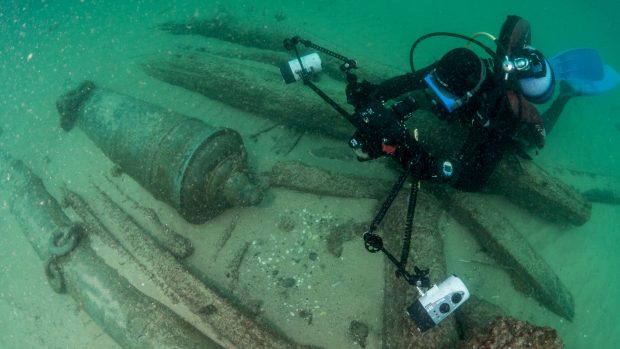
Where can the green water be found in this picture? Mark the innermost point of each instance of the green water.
(46, 46)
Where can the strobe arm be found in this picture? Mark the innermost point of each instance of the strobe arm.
(347, 63)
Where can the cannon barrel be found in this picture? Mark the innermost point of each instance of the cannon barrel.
(131, 318)
(198, 169)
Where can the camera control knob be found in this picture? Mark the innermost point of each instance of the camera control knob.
(444, 308)
(456, 298)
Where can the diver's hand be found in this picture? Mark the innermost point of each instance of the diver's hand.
(360, 94)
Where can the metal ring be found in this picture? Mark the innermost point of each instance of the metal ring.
(54, 275)
(71, 238)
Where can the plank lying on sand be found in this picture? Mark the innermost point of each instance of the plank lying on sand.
(426, 252)
(510, 248)
(596, 187)
(269, 36)
(528, 185)
(251, 86)
(224, 322)
(296, 175)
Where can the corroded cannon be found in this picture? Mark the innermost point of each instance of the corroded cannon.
(198, 169)
(132, 319)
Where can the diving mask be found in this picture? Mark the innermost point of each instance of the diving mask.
(448, 100)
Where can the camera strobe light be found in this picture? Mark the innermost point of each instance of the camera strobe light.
(439, 302)
(292, 70)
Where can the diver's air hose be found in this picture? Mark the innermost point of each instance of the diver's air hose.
(455, 35)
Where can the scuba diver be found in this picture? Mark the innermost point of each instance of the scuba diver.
(491, 98)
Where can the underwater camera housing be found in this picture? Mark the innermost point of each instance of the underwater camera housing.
(437, 303)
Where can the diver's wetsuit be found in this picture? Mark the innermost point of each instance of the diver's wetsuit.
(495, 117)
(485, 143)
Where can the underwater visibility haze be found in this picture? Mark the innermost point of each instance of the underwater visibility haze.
(173, 191)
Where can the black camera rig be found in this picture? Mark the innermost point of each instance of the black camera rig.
(381, 131)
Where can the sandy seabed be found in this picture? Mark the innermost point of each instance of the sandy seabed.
(53, 45)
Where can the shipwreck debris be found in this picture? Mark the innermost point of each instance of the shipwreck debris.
(475, 316)
(164, 234)
(426, 252)
(226, 79)
(198, 169)
(129, 317)
(263, 41)
(229, 326)
(506, 332)
(506, 244)
(296, 175)
(530, 186)
(358, 333)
